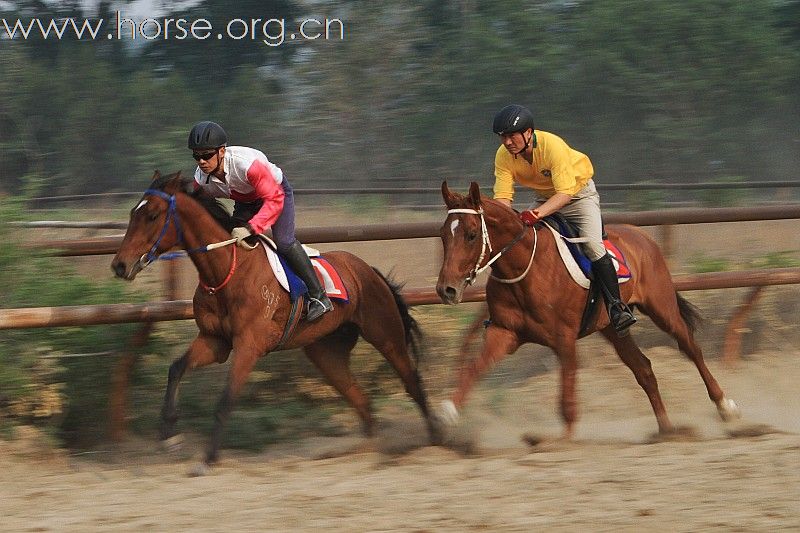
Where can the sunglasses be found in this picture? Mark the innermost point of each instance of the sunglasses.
(204, 156)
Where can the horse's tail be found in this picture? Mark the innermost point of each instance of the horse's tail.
(412, 330)
(689, 312)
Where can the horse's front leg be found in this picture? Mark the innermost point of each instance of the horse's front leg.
(498, 343)
(244, 359)
(204, 350)
(567, 357)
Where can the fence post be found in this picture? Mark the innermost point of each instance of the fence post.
(120, 379)
(668, 244)
(171, 280)
(732, 346)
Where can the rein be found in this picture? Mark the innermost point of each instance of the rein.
(486, 243)
(172, 216)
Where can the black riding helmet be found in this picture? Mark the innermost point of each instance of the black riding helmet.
(511, 119)
(207, 136)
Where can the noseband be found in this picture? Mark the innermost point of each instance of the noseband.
(486, 244)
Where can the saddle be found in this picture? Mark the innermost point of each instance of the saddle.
(296, 287)
(579, 266)
(291, 282)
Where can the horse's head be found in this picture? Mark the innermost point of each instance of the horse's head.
(465, 239)
(153, 228)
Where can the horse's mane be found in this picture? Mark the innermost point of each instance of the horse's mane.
(211, 204)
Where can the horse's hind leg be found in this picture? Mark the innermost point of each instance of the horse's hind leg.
(331, 355)
(203, 351)
(640, 365)
(668, 317)
(394, 348)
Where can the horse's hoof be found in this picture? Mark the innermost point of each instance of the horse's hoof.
(435, 434)
(532, 440)
(675, 434)
(173, 444)
(198, 470)
(368, 429)
(448, 414)
(728, 410)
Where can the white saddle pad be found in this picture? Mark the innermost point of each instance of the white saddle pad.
(275, 262)
(572, 266)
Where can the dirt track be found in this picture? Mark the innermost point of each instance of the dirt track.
(611, 478)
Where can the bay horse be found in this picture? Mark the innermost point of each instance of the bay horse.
(240, 308)
(532, 298)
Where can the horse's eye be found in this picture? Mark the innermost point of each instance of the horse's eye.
(472, 235)
(152, 217)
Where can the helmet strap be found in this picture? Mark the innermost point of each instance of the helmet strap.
(529, 142)
(219, 162)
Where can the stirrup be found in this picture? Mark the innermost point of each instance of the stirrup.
(318, 307)
(621, 317)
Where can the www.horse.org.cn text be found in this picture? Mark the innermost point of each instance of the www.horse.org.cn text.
(270, 31)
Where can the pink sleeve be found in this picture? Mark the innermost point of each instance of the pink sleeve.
(262, 180)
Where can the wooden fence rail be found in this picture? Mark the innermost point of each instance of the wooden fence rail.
(88, 315)
(417, 230)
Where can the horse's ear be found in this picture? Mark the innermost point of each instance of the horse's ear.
(475, 194)
(450, 199)
(156, 175)
(175, 184)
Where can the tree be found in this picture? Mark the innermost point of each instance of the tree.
(690, 82)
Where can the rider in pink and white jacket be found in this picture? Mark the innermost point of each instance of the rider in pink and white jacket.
(262, 198)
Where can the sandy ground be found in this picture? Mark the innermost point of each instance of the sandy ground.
(738, 477)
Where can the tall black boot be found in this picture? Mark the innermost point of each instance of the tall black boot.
(620, 314)
(318, 301)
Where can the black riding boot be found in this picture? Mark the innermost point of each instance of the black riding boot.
(318, 301)
(620, 314)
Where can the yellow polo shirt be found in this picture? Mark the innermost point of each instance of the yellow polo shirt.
(556, 168)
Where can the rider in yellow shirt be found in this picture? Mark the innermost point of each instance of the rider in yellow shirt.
(561, 179)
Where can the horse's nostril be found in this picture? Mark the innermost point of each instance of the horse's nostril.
(119, 269)
(450, 292)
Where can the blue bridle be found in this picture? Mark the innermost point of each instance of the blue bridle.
(172, 216)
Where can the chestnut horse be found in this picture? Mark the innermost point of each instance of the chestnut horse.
(532, 298)
(246, 310)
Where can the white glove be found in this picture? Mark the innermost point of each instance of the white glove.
(240, 234)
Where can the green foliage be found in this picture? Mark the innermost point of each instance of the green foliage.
(644, 199)
(784, 259)
(367, 205)
(702, 264)
(39, 382)
(728, 197)
(650, 90)
(688, 76)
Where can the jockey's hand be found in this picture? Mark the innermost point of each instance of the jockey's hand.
(529, 217)
(240, 234)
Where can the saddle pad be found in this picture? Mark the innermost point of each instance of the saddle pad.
(575, 271)
(330, 279)
(327, 275)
